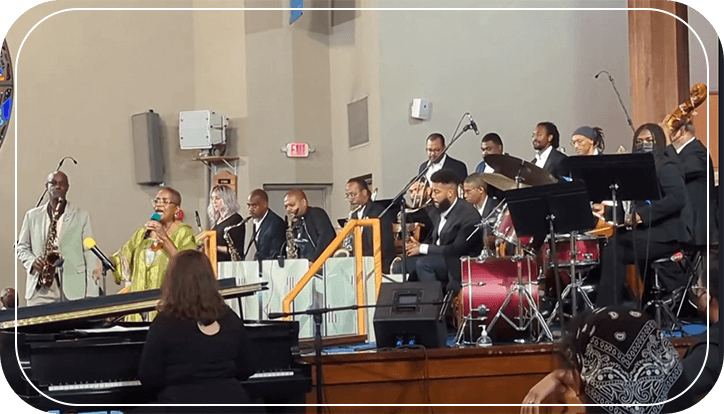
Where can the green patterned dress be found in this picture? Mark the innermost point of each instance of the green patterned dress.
(138, 264)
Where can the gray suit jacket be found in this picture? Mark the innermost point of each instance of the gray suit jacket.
(79, 264)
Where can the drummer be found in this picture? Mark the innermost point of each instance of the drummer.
(475, 191)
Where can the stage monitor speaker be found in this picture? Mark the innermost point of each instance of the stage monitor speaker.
(147, 148)
(409, 315)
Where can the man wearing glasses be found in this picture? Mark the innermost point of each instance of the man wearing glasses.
(437, 160)
(357, 192)
(59, 226)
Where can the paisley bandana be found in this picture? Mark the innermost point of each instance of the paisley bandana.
(624, 359)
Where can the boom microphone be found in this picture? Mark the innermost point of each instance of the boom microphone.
(155, 217)
(90, 244)
(473, 125)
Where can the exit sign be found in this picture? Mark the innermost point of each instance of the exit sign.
(297, 150)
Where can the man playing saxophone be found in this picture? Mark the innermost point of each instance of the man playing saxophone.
(50, 247)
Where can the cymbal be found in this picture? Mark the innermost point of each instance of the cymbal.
(501, 182)
(513, 167)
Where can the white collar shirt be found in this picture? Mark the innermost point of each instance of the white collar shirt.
(542, 157)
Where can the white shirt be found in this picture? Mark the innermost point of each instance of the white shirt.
(678, 150)
(435, 167)
(488, 169)
(542, 157)
(482, 206)
(443, 219)
(257, 224)
(361, 212)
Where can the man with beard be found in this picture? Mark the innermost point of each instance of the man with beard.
(74, 271)
(453, 221)
(546, 140)
(313, 230)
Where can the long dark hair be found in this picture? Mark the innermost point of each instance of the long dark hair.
(190, 290)
(656, 132)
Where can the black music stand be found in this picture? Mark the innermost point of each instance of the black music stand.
(616, 177)
(547, 210)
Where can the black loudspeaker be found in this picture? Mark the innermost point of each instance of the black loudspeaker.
(408, 314)
(147, 148)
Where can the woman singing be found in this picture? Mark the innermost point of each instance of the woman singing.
(141, 262)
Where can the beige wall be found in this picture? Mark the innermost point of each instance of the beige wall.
(81, 75)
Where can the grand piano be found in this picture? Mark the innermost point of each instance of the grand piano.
(79, 352)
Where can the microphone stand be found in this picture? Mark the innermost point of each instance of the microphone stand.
(45, 191)
(399, 198)
(610, 78)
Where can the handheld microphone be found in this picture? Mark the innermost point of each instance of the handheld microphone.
(90, 244)
(198, 221)
(155, 217)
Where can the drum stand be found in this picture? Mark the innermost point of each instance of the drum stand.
(575, 285)
(524, 318)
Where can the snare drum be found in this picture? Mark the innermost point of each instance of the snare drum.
(487, 283)
(587, 251)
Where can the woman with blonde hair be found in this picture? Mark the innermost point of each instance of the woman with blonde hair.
(223, 211)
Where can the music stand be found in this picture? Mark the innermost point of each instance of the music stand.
(616, 177)
(547, 210)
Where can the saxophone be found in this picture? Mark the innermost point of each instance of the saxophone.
(235, 255)
(292, 250)
(52, 254)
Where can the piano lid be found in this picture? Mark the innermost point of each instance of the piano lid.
(109, 306)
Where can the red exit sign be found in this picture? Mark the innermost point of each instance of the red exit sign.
(298, 150)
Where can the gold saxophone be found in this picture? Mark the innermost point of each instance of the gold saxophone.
(292, 250)
(52, 254)
(233, 251)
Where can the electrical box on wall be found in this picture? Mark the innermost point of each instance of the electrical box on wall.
(421, 109)
(201, 129)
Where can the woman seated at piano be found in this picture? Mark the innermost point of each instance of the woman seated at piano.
(196, 348)
(141, 262)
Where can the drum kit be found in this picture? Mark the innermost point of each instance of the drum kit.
(497, 285)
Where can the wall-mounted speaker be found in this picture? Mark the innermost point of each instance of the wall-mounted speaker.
(147, 148)
(408, 314)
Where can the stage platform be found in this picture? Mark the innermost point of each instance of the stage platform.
(500, 374)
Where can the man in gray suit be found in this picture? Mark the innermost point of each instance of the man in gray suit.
(73, 225)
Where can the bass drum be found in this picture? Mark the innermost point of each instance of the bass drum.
(485, 285)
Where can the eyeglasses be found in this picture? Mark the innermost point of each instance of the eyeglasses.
(577, 142)
(164, 201)
(349, 196)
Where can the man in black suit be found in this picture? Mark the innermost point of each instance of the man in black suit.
(269, 228)
(546, 140)
(358, 193)
(694, 160)
(313, 230)
(437, 160)
(453, 221)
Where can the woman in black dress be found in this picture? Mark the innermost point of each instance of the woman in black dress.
(196, 349)
(224, 214)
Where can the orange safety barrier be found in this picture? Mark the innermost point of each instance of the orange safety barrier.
(354, 225)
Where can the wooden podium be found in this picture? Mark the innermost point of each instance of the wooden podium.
(207, 241)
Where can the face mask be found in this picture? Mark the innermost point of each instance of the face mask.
(647, 146)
